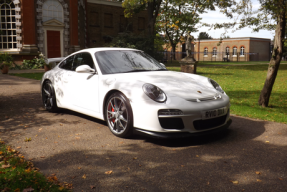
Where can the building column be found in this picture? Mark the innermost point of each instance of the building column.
(74, 41)
(29, 27)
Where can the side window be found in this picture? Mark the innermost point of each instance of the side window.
(88, 60)
(68, 63)
(83, 59)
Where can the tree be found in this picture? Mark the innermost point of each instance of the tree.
(204, 35)
(153, 7)
(176, 18)
(277, 9)
(135, 6)
(271, 15)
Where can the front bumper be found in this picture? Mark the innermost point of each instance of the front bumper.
(175, 135)
(147, 118)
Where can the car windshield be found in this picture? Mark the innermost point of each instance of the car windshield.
(125, 61)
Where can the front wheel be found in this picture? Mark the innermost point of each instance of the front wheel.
(119, 115)
(49, 97)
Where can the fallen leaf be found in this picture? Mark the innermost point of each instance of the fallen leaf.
(28, 189)
(18, 147)
(84, 176)
(17, 190)
(42, 156)
(79, 168)
(182, 165)
(197, 156)
(257, 172)
(108, 172)
(61, 188)
(28, 170)
(135, 158)
(92, 186)
(266, 141)
(258, 180)
(5, 166)
(27, 139)
(281, 179)
(235, 182)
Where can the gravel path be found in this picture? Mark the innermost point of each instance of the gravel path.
(250, 156)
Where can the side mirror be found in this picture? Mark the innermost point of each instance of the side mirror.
(85, 69)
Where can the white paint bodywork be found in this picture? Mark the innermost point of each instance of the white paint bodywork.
(86, 93)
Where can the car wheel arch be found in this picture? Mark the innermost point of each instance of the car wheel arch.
(108, 94)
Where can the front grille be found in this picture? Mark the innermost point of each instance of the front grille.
(171, 123)
(209, 123)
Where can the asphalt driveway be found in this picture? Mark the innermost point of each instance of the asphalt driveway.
(250, 156)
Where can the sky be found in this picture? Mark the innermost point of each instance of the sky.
(217, 17)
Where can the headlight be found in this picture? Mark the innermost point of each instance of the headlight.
(216, 86)
(154, 93)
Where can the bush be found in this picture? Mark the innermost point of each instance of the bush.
(36, 63)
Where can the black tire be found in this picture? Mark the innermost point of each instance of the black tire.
(49, 97)
(119, 116)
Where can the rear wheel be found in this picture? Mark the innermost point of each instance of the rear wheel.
(49, 97)
(119, 115)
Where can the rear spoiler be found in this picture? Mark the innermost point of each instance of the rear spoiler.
(53, 61)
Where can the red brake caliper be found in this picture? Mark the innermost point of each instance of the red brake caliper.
(113, 111)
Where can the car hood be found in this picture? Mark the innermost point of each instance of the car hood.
(174, 84)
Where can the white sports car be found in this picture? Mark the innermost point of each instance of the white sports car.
(134, 92)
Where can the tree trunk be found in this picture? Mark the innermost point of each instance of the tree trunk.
(173, 50)
(275, 61)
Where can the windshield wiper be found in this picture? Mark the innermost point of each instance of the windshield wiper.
(135, 71)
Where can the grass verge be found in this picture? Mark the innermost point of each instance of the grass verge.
(17, 175)
(176, 63)
(243, 85)
(37, 76)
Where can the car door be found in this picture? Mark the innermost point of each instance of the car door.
(84, 87)
(64, 75)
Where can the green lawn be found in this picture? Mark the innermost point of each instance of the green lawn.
(243, 85)
(176, 63)
(37, 76)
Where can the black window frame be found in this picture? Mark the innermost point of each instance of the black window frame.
(93, 66)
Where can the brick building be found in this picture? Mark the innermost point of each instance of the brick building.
(233, 49)
(59, 27)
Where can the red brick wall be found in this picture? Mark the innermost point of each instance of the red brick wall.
(98, 31)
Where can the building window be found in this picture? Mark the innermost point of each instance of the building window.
(108, 20)
(234, 51)
(227, 50)
(205, 52)
(214, 51)
(95, 19)
(141, 23)
(8, 34)
(52, 9)
(242, 50)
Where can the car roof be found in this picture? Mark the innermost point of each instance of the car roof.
(93, 50)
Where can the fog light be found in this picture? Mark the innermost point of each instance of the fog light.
(170, 112)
